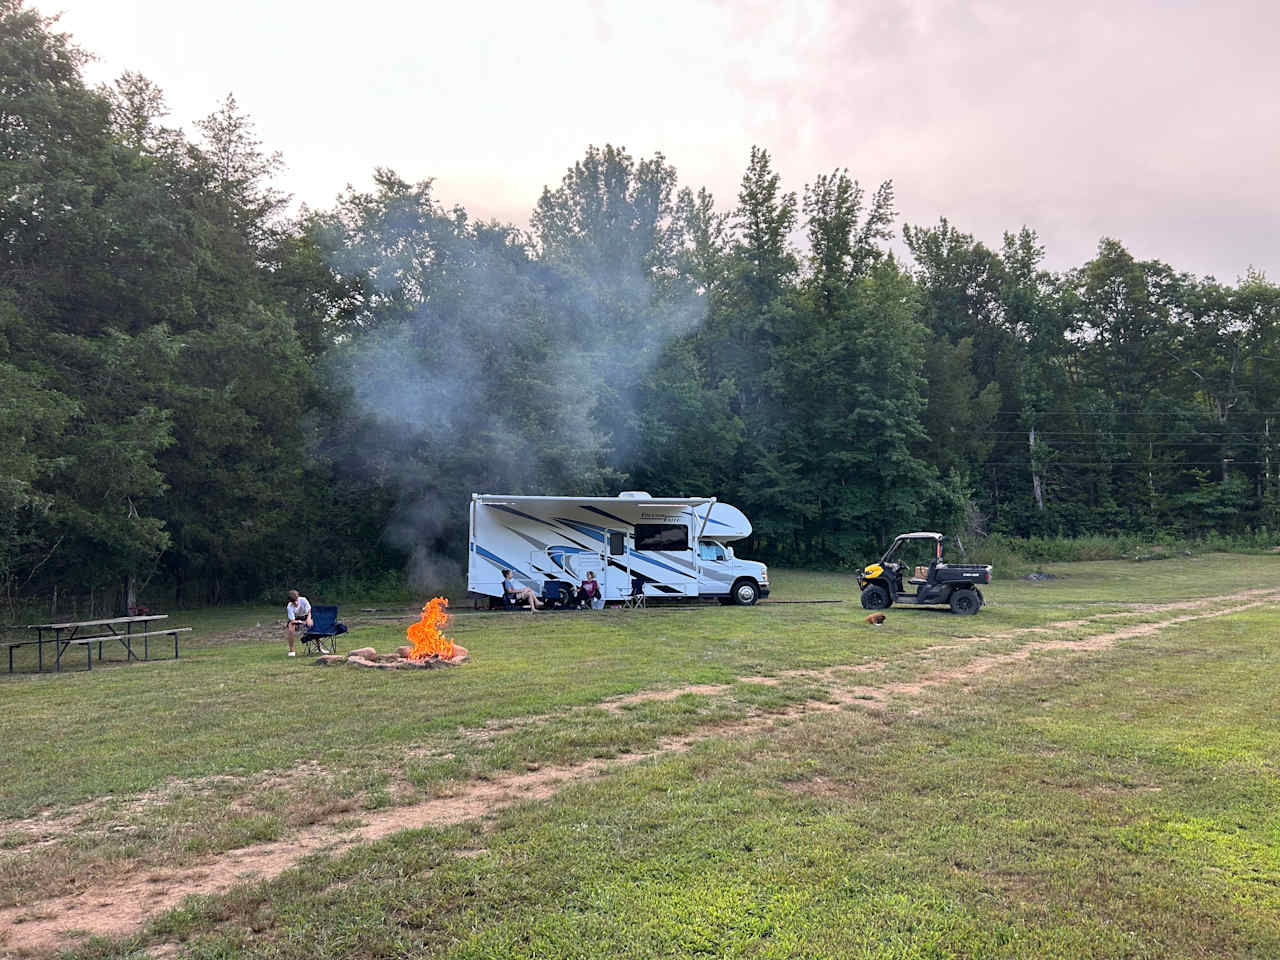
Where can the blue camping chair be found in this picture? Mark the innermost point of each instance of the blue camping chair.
(511, 602)
(324, 632)
(634, 600)
(557, 594)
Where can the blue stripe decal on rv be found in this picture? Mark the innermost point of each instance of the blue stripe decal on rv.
(588, 529)
(558, 553)
(499, 561)
(714, 520)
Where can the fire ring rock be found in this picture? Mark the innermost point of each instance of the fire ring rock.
(369, 657)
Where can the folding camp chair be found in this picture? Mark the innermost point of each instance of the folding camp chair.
(322, 635)
(556, 594)
(635, 599)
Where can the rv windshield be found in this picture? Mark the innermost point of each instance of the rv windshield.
(710, 550)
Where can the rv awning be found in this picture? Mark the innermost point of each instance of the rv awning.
(670, 501)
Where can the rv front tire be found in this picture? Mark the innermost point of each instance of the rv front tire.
(745, 593)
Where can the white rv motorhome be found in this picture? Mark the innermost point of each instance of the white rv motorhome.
(674, 546)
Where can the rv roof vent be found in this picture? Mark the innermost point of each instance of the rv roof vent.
(634, 495)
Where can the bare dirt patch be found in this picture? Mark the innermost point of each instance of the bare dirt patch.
(119, 906)
(618, 704)
(826, 789)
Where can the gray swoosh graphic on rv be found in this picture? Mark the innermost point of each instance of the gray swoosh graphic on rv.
(720, 577)
(678, 561)
(524, 536)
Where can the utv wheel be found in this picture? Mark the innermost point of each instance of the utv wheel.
(965, 602)
(745, 593)
(875, 597)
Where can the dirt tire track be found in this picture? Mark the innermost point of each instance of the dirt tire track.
(123, 909)
(618, 704)
(982, 665)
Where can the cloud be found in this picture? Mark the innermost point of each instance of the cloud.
(1153, 121)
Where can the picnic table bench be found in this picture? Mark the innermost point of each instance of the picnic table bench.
(67, 635)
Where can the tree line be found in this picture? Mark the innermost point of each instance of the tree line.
(203, 391)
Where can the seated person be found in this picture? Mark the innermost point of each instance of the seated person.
(297, 617)
(589, 590)
(509, 589)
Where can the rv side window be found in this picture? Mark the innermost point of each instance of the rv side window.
(710, 551)
(662, 536)
(615, 543)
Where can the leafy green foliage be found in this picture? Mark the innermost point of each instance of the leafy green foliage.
(195, 385)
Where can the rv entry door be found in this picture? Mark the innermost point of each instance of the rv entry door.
(580, 564)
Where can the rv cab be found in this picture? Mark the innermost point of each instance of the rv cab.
(710, 550)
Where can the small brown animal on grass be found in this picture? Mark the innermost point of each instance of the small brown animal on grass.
(875, 619)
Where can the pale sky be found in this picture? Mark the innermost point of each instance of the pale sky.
(1156, 122)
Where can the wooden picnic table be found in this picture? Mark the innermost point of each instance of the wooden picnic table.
(116, 628)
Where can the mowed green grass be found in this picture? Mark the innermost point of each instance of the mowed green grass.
(229, 707)
(1118, 803)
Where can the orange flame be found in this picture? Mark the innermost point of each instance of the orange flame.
(425, 635)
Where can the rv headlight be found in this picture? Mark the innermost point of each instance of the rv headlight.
(764, 574)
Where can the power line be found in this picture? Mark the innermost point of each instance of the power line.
(1126, 433)
(1231, 461)
(1191, 412)
(1185, 411)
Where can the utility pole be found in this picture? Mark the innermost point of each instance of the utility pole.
(1036, 489)
(1268, 488)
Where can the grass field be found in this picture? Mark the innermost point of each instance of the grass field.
(1088, 768)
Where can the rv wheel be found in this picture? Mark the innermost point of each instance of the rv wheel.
(745, 593)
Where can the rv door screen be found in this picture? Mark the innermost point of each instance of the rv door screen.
(662, 536)
(615, 543)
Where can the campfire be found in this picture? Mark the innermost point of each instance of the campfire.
(425, 636)
(427, 647)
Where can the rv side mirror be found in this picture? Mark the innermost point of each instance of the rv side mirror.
(615, 544)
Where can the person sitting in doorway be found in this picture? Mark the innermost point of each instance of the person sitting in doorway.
(298, 614)
(509, 589)
(588, 590)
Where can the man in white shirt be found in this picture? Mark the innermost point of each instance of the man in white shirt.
(298, 612)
